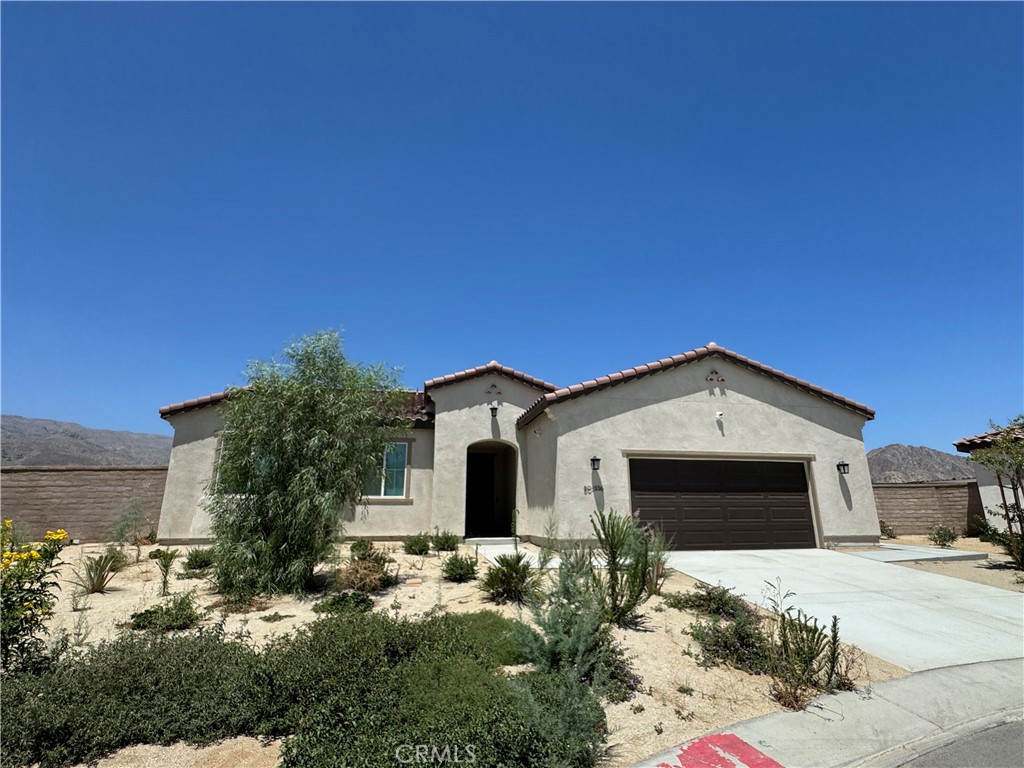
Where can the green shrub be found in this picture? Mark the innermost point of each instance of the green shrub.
(358, 602)
(709, 600)
(459, 568)
(886, 530)
(180, 612)
(137, 689)
(498, 639)
(941, 536)
(165, 559)
(133, 527)
(200, 559)
(361, 548)
(741, 643)
(28, 582)
(445, 541)
(118, 559)
(417, 544)
(626, 551)
(97, 572)
(511, 580)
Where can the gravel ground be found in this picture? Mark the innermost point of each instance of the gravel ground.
(682, 700)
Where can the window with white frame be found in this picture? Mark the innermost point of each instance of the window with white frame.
(392, 481)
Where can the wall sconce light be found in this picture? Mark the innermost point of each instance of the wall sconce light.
(494, 411)
(595, 463)
(843, 467)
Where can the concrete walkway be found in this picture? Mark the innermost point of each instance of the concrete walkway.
(904, 553)
(882, 727)
(914, 619)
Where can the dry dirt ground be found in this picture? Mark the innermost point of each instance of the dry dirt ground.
(997, 571)
(683, 700)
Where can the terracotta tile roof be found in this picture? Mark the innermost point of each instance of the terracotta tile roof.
(984, 440)
(418, 407)
(701, 353)
(482, 370)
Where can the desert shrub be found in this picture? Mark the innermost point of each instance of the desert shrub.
(361, 548)
(458, 568)
(626, 551)
(96, 572)
(498, 639)
(28, 581)
(358, 602)
(511, 580)
(1012, 543)
(118, 559)
(712, 601)
(740, 642)
(569, 718)
(133, 527)
(445, 541)
(941, 536)
(137, 689)
(366, 576)
(200, 558)
(165, 559)
(180, 612)
(886, 530)
(417, 544)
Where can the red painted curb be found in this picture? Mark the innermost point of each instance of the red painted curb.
(723, 750)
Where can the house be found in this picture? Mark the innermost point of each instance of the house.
(993, 493)
(719, 450)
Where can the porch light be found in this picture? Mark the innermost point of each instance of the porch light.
(595, 463)
(843, 467)
(494, 411)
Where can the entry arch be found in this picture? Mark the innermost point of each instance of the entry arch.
(491, 479)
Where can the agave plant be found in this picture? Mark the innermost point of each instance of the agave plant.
(97, 572)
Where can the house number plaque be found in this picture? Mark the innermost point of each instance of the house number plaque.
(590, 489)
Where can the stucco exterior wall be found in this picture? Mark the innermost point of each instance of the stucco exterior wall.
(189, 473)
(463, 417)
(84, 501)
(673, 413)
(392, 518)
(991, 497)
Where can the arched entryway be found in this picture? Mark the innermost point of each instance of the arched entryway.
(490, 489)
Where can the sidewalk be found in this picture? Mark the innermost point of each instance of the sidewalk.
(881, 727)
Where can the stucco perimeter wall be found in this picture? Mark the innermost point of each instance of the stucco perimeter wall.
(182, 516)
(917, 508)
(462, 417)
(84, 501)
(401, 517)
(672, 414)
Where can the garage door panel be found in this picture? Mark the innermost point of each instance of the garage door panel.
(724, 504)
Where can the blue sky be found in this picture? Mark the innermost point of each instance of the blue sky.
(572, 189)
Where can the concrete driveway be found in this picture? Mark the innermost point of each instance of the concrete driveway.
(913, 619)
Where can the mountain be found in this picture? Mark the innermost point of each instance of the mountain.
(42, 442)
(916, 464)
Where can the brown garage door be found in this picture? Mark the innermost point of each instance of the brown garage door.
(724, 504)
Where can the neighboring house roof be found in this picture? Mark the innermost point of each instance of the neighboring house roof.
(984, 440)
(418, 406)
(482, 370)
(665, 364)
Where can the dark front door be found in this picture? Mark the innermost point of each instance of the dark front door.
(490, 490)
(724, 504)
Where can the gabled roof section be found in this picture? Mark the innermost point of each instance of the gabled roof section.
(418, 406)
(482, 370)
(665, 364)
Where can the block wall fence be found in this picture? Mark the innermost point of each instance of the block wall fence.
(917, 508)
(85, 501)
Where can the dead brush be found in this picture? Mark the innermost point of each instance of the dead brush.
(366, 576)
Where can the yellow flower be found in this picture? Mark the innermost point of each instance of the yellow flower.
(34, 555)
(59, 535)
(8, 523)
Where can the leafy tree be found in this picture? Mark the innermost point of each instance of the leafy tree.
(1004, 457)
(299, 444)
